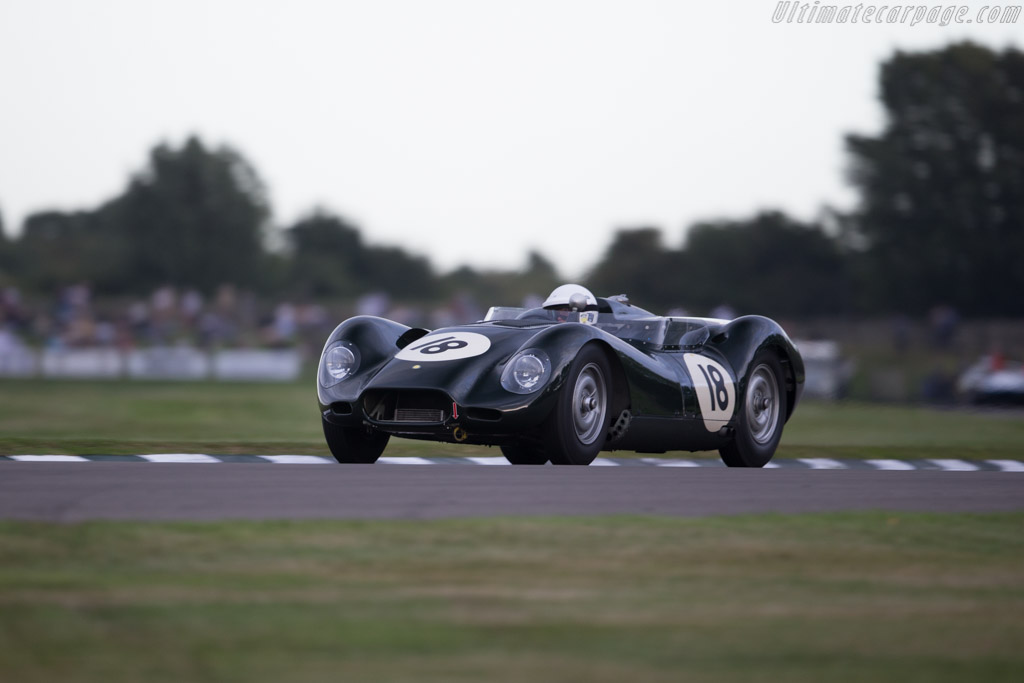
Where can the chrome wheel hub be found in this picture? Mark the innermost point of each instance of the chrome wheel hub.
(589, 404)
(762, 404)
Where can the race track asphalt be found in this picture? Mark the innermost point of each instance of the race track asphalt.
(71, 492)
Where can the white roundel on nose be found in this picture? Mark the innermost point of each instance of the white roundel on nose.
(445, 346)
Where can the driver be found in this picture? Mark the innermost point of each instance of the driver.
(570, 298)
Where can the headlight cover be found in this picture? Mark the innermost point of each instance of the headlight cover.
(527, 372)
(340, 361)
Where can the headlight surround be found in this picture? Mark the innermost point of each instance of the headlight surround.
(340, 361)
(527, 372)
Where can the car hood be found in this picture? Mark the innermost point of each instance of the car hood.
(455, 359)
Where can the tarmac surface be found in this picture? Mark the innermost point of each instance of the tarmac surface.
(72, 491)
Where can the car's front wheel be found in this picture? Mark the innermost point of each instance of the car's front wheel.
(762, 415)
(577, 428)
(354, 444)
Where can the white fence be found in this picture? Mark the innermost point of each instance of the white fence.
(827, 371)
(172, 363)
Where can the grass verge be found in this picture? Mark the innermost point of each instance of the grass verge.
(831, 597)
(86, 418)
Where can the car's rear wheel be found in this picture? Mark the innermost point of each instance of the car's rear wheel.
(762, 415)
(522, 454)
(354, 444)
(577, 428)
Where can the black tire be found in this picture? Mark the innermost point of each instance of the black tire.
(522, 454)
(762, 415)
(577, 428)
(354, 444)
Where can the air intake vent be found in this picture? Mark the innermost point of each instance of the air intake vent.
(419, 415)
(413, 406)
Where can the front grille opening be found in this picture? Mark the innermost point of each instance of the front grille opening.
(418, 415)
(407, 406)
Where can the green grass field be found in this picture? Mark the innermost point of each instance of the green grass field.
(824, 597)
(830, 597)
(86, 418)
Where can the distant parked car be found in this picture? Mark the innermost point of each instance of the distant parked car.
(828, 372)
(993, 379)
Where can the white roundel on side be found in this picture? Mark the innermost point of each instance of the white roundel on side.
(445, 346)
(715, 389)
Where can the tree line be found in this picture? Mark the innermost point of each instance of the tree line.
(940, 220)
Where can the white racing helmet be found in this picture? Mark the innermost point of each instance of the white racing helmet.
(571, 296)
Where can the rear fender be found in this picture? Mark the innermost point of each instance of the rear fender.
(742, 339)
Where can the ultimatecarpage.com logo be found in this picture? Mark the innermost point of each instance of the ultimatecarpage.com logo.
(943, 15)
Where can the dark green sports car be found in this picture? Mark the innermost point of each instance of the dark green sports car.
(559, 387)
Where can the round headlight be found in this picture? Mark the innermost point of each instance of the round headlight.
(340, 362)
(527, 372)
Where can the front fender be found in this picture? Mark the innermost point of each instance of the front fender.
(377, 341)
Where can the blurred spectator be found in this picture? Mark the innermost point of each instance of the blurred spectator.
(12, 311)
(191, 307)
(163, 316)
(943, 321)
(284, 326)
(996, 358)
(138, 320)
(376, 303)
(8, 340)
(533, 301)
(901, 333)
(723, 312)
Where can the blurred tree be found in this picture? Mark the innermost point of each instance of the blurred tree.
(7, 256)
(769, 265)
(329, 259)
(505, 287)
(942, 209)
(540, 273)
(194, 217)
(324, 252)
(57, 249)
(637, 264)
(393, 270)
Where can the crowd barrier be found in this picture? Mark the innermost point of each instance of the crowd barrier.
(172, 363)
(827, 372)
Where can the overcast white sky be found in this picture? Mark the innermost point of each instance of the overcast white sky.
(467, 130)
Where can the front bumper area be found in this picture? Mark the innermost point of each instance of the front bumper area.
(435, 416)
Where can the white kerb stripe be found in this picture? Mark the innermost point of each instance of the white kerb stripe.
(400, 460)
(489, 460)
(890, 464)
(664, 462)
(298, 459)
(180, 457)
(771, 466)
(822, 463)
(951, 465)
(604, 462)
(1008, 465)
(48, 458)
